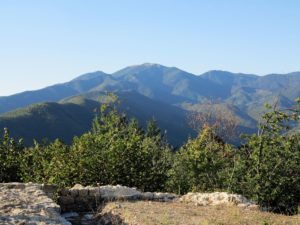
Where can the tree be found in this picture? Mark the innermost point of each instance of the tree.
(269, 165)
(10, 151)
(219, 117)
(52, 164)
(202, 164)
(119, 151)
(158, 159)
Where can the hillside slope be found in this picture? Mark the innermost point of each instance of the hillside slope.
(73, 116)
(156, 90)
(170, 85)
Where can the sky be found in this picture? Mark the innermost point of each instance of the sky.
(53, 41)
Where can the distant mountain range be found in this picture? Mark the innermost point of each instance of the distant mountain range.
(146, 91)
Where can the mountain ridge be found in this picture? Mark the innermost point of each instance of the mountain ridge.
(166, 87)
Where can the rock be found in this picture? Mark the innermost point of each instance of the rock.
(14, 185)
(119, 192)
(94, 192)
(83, 192)
(217, 198)
(64, 192)
(88, 216)
(79, 190)
(66, 200)
(77, 186)
(165, 197)
(28, 204)
(74, 192)
(148, 196)
(69, 215)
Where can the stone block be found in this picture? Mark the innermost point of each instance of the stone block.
(15, 185)
(64, 192)
(74, 193)
(77, 186)
(66, 200)
(83, 192)
(147, 196)
(94, 192)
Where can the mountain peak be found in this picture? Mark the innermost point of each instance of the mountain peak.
(151, 65)
(147, 66)
(138, 68)
(89, 76)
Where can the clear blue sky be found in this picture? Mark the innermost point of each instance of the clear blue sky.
(44, 42)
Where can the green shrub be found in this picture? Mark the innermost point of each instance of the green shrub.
(116, 151)
(202, 164)
(10, 151)
(52, 164)
(269, 164)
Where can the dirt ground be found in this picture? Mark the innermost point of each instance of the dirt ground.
(175, 213)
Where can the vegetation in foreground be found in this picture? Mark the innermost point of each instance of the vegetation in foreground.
(118, 151)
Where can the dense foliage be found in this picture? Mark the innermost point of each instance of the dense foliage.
(10, 151)
(268, 169)
(202, 164)
(118, 151)
(51, 163)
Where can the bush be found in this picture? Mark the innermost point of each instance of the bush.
(116, 151)
(52, 164)
(202, 164)
(10, 151)
(268, 166)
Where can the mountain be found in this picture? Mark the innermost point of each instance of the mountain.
(53, 93)
(168, 84)
(48, 121)
(73, 116)
(146, 91)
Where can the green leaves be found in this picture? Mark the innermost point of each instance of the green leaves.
(51, 163)
(202, 164)
(116, 151)
(10, 151)
(269, 163)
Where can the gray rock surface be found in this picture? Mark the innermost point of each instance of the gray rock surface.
(118, 192)
(28, 204)
(217, 198)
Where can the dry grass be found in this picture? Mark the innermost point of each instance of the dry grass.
(152, 213)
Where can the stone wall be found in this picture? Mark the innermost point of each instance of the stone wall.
(28, 204)
(84, 199)
(79, 199)
(33, 203)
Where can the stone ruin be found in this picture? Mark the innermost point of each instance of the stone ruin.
(217, 198)
(28, 204)
(33, 203)
(83, 199)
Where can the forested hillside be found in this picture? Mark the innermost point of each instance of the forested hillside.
(149, 90)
